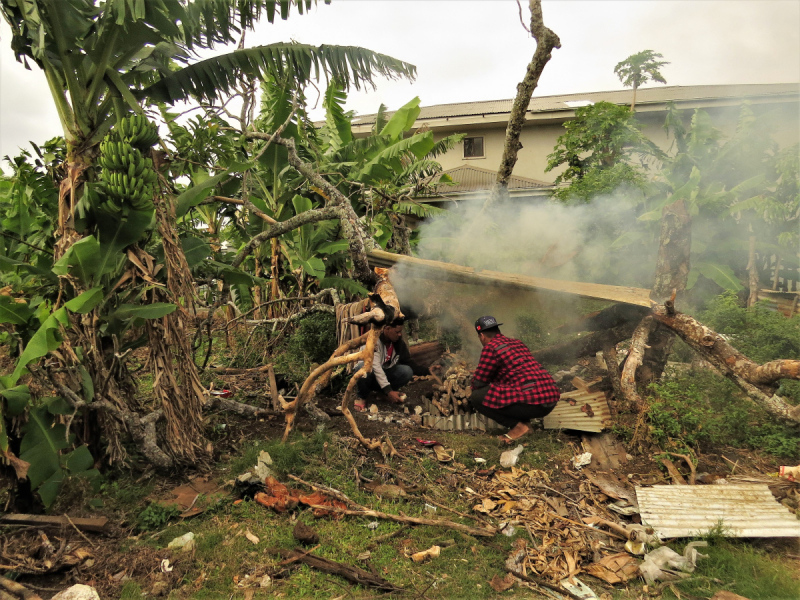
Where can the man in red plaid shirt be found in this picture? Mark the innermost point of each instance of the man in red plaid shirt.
(508, 385)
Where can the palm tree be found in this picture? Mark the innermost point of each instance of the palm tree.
(102, 59)
(640, 68)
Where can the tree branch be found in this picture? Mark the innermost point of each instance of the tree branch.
(753, 378)
(351, 227)
(311, 216)
(546, 40)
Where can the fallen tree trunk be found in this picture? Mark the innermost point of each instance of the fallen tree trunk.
(584, 345)
(753, 378)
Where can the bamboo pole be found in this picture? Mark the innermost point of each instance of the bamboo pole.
(434, 269)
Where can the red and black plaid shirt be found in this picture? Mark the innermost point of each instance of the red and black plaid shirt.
(513, 375)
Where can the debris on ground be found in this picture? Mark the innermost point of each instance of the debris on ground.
(615, 568)
(509, 458)
(96, 525)
(581, 411)
(582, 460)
(746, 510)
(432, 552)
(251, 537)
(305, 534)
(443, 454)
(184, 542)
(8, 587)
(578, 589)
(790, 473)
(351, 574)
(663, 563)
(197, 495)
(501, 584)
(78, 591)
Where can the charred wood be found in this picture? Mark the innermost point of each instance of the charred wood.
(585, 345)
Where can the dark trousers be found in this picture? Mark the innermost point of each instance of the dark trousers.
(510, 415)
(398, 376)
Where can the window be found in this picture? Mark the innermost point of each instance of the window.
(473, 147)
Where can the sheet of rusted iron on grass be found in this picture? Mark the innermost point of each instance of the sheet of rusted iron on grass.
(743, 510)
(580, 411)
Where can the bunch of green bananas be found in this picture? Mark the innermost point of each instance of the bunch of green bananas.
(128, 177)
(138, 131)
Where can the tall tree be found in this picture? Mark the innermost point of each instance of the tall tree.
(640, 68)
(546, 41)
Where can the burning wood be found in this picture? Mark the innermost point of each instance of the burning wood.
(451, 393)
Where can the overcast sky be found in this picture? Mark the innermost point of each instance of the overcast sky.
(477, 50)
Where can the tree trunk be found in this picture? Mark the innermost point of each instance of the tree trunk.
(585, 345)
(258, 296)
(756, 380)
(546, 40)
(275, 274)
(752, 270)
(672, 273)
(633, 104)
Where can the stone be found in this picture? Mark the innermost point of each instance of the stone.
(78, 592)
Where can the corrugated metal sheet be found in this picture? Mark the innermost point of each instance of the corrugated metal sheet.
(745, 510)
(568, 416)
(644, 96)
(474, 179)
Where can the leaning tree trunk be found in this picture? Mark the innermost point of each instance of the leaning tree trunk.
(546, 40)
(672, 273)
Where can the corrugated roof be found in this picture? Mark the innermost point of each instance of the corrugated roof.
(644, 96)
(745, 510)
(476, 179)
(576, 417)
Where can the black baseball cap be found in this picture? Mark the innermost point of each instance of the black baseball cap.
(485, 323)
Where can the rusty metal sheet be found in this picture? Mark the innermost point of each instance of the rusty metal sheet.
(744, 510)
(568, 416)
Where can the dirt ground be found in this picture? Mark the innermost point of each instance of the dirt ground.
(126, 554)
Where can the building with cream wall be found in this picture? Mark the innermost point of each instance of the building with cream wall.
(547, 114)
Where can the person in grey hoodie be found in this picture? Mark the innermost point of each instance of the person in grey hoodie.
(392, 367)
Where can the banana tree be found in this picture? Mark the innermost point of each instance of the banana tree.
(101, 59)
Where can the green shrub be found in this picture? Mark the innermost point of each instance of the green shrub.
(156, 515)
(757, 332)
(700, 408)
(313, 341)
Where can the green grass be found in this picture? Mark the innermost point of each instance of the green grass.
(743, 569)
(463, 570)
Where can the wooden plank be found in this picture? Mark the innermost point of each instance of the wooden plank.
(435, 269)
(98, 524)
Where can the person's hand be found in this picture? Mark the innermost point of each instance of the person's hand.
(394, 397)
